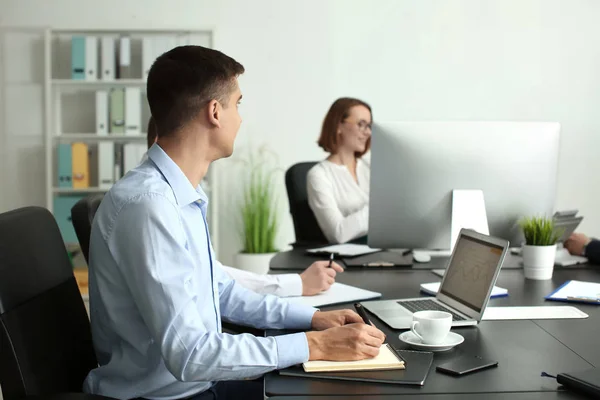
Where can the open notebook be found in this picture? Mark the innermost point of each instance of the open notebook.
(386, 359)
(338, 293)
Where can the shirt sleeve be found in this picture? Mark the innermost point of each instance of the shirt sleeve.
(284, 285)
(148, 243)
(335, 227)
(592, 251)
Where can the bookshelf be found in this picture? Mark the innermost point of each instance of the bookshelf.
(71, 114)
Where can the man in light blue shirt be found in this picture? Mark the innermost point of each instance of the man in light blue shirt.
(157, 293)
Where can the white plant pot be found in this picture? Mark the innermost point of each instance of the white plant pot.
(257, 263)
(538, 261)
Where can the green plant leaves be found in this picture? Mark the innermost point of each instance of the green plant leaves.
(539, 231)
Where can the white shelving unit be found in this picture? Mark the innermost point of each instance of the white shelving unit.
(69, 108)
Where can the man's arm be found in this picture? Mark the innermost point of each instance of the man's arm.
(149, 246)
(283, 285)
(592, 251)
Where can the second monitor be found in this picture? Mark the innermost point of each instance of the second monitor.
(415, 166)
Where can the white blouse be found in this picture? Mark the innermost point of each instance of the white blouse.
(340, 204)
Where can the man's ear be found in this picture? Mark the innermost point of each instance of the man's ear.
(214, 111)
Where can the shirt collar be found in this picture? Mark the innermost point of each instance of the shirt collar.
(185, 193)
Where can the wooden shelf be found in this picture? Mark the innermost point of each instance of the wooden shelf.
(92, 137)
(92, 189)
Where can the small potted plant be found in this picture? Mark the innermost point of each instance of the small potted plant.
(259, 223)
(539, 250)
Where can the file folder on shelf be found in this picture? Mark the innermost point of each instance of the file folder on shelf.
(81, 166)
(91, 58)
(64, 165)
(148, 55)
(102, 113)
(78, 57)
(125, 57)
(62, 214)
(117, 111)
(132, 155)
(106, 164)
(107, 71)
(133, 111)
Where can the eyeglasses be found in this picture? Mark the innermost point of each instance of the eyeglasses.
(362, 124)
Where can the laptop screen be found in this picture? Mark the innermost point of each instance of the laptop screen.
(470, 274)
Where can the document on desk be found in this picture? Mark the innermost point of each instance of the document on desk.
(385, 360)
(344, 250)
(541, 312)
(337, 293)
(577, 292)
(432, 289)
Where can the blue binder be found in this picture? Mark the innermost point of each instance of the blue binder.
(78, 57)
(65, 165)
(62, 214)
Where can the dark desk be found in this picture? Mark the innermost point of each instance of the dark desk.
(523, 348)
(562, 395)
(298, 260)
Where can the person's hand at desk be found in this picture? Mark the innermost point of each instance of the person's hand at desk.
(345, 337)
(319, 277)
(576, 244)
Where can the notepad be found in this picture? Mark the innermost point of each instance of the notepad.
(535, 312)
(432, 289)
(386, 359)
(578, 292)
(338, 293)
(344, 250)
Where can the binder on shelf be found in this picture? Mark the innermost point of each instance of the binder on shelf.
(125, 57)
(117, 111)
(148, 55)
(106, 164)
(101, 112)
(133, 111)
(182, 40)
(91, 58)
(132, 155)
(163, 43)
(64, 165)
(62, 214)
(107, 72)
(81, 166)
(78, 57)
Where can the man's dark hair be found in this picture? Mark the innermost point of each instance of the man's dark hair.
(185, 79)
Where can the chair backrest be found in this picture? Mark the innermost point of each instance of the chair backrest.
(306, 228)
(45, 339)
(82, 215)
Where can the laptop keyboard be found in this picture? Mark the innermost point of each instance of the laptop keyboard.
(423, 305)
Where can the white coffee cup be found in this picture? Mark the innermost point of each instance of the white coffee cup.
(431, 327)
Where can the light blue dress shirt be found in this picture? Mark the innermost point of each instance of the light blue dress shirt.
(157, 295)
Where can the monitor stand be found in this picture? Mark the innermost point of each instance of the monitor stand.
(468, 211)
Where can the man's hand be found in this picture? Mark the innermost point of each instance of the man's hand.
(345, 343)
(319, 277)
(330, 319)
(576, 243)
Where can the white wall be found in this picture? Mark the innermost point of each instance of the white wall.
(419, 59)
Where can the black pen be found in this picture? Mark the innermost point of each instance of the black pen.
(406, 252)
(361, 311)
(330, 260)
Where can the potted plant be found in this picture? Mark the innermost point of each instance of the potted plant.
(258, 216)
(539, 250)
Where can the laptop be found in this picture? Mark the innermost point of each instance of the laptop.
(465, 289)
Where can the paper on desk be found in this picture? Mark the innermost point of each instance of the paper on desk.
(337, 293)
(344, 250)
(576, 289)
(541, 312)
(432, 288)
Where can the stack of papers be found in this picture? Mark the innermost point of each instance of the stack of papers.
(344, 250)
(338, 293)
(577, 291)
(432, 289)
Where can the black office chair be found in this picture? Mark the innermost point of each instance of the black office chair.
(306, 228)
(45, 340)
(82, 215)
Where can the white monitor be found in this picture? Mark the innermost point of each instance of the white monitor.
(415, 166)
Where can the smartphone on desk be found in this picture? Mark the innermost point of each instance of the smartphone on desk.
(466, 365)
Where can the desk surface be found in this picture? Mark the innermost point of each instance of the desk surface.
(562, 395)
(523, 348)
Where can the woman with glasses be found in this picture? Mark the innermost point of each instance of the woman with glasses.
(338, 187)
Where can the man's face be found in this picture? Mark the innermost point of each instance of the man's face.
(230, 122)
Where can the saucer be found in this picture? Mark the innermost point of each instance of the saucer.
(453, 339)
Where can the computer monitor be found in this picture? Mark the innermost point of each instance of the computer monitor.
(415, 166)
